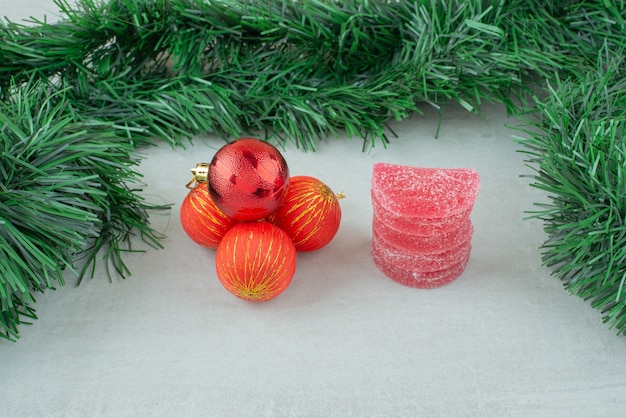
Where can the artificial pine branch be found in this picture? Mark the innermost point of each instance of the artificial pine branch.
(64, 193)
(299, 70)
(578, 149)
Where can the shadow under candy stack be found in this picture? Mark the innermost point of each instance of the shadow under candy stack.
(421, 226)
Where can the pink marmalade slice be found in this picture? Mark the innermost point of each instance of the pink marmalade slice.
(419, 280)
(417, 192)
(431, 243)
(422, 263)
(418, 226)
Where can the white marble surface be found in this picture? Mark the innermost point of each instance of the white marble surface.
(504, 339)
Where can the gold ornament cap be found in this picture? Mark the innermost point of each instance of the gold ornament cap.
(200, 174)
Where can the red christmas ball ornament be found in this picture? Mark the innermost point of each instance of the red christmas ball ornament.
(255, 261)
(248, 179)
(201, 220)
(310, 214)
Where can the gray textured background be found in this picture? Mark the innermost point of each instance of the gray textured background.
(504, 339)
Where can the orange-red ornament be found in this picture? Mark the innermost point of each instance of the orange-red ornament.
(203, 222)
(248, 179)
(310, 214)
(255, 261)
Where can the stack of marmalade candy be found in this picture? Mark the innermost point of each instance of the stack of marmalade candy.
(421, 228)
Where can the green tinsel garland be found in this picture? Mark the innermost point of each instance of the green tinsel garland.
(111, 76)
(578, 149)
(301, 70)
(64, 193)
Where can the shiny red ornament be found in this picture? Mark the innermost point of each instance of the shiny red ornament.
(255, 261)
(248, 179)
(310, 214)
(201, 220)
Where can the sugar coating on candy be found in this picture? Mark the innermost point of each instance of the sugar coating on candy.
(431, 243)
(419, 262)
(417, 279)
(422, 262)
(418, 226)
(418, 192)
